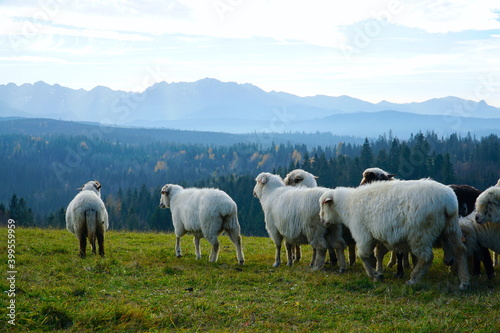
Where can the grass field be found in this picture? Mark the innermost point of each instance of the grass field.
(140, 286)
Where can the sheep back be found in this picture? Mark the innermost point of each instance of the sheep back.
(395, 211)
(77, 208)
(200, 209)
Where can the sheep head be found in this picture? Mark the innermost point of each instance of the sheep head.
(165, 198)
(488, 206)
(299, 177)
(328, 214)
(375, 174)
(266, 180)
(93, 185)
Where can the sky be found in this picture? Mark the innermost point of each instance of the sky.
(397, 50)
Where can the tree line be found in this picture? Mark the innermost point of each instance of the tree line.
(42, 173)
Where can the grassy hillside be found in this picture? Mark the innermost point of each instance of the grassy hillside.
(141, 286)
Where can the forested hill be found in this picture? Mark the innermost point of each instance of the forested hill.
(40, 172)
(131, 135)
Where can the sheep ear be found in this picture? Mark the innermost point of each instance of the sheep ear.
(329, 199)
(315, 177)
(97, 185)
(263, 179)
(80, 189)
(391, 176)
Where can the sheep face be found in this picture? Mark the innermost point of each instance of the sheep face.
(165, 198)
(94, 186)
(300, 177)
(488, 206)
(261, 180)
(328, 214)
(375, 174)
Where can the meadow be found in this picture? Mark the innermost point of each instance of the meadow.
(140, 286)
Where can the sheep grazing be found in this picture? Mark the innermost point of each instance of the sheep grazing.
(375, 174)
(488, 205)
(292, 214)
(402, 216)
(477, 237)
(492, 193)
(299, 177)
(205, 213)
(86, 216)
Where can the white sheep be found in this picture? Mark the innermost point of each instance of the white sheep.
(375, 174)
(292, 214)
(86, 216)
(478, 239)
(299, 177)
(488, 209)
(401, 259)
(403, 216)
(488, 205)
(204, 213)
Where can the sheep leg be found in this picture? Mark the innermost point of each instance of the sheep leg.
(277, 257)
(215, 249)
(341, 260)
(235, 237)
(83, 244)
(352, 254)
(380, 252)
(196, 241)
(400, 266)
(406, 261)
(333, 256)
(365, 252)
(367, 265)
(289, 253)
(178, 252)
(277, 238)
(319, 260)
(452, 242)
(313, 258)
(100, 241)
(424, 262)
(297, 253)
(394, 259)
(488, 263)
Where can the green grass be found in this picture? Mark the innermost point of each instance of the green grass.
(140, 286)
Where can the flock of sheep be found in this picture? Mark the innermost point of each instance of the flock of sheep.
(408, 217)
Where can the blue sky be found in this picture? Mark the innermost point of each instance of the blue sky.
(400, 51)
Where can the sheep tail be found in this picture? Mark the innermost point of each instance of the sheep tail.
(91, 221)
(230, 222)
(451, 213)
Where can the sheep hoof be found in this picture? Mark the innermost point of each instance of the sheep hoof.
(410, 282)
(464, 286)
(342, 270)
(399, 275)
(490, 276)
(276, 264)
(379, 278)
(242, 262)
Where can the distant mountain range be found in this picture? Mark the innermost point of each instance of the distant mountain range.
(212, 105)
